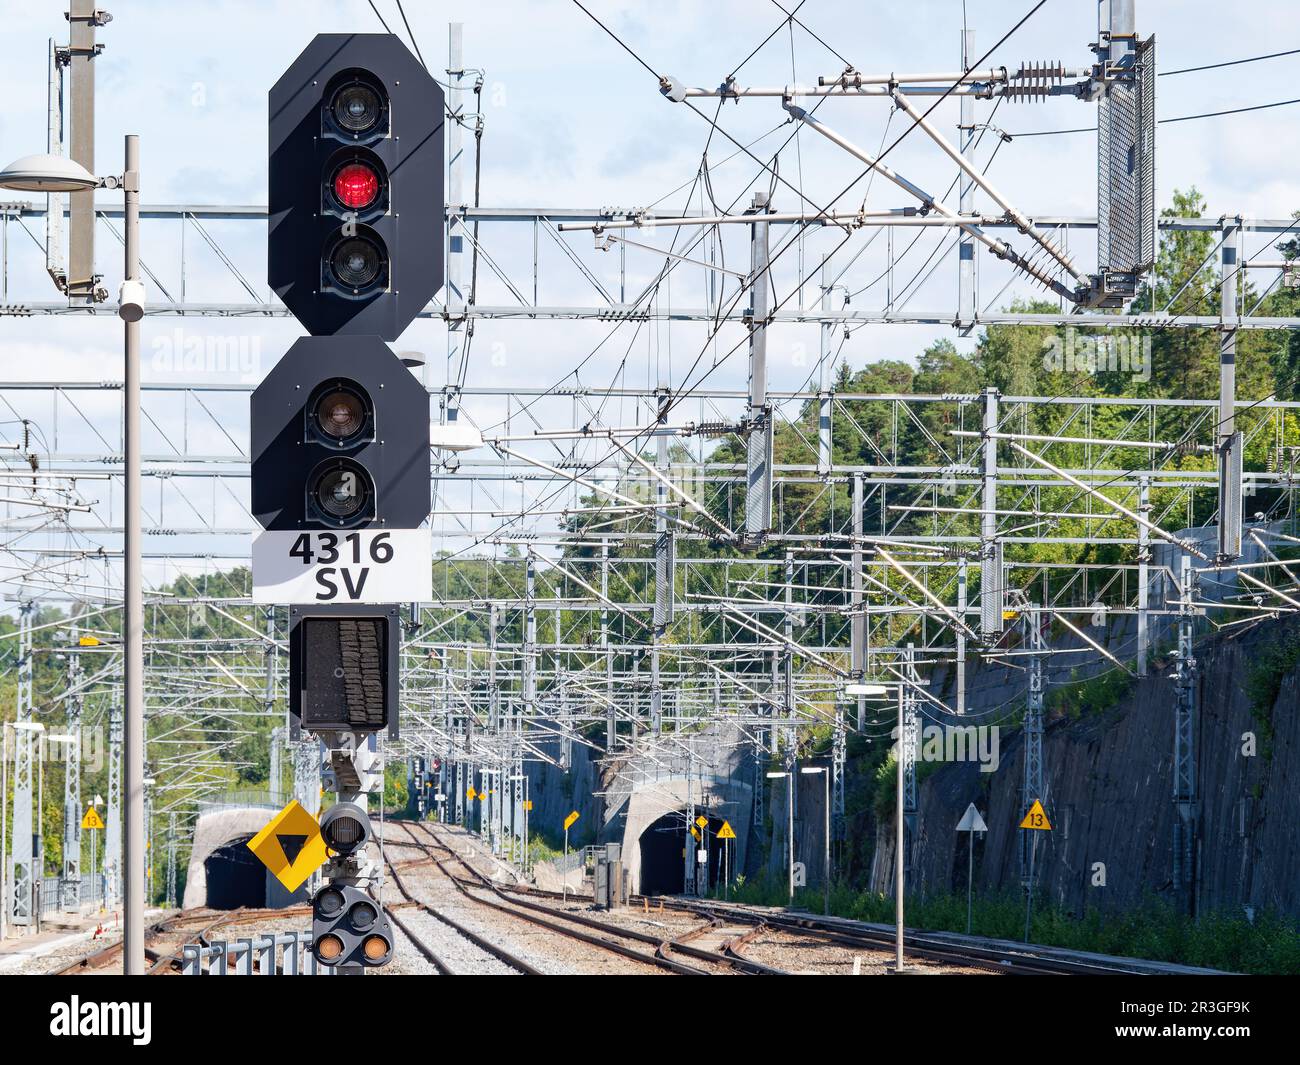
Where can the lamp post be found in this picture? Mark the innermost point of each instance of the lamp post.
(826, 856)
(876, 690)
(56, 174)
(789, 830)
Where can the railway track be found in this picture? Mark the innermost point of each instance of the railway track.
(500, 953)
(722, 952)
(171, 934)
(993, 955)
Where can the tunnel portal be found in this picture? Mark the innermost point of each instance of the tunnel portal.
(235, 876)
(663, 858)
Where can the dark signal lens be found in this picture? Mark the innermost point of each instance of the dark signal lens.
(329, 903)
(356, 107)
(342, 491)
(362, 916)
(341, 414)
(356, 186)
(356, 263)
(345, 833)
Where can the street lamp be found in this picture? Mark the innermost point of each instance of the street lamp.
(789, 829)
(47, 173)
(826, 858)
(865, 690)
(56, 174)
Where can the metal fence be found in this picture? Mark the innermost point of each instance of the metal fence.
(578, 858)
(266, 800)
(278, 954)
(91, 892)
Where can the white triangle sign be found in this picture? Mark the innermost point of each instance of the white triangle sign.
(971, 821)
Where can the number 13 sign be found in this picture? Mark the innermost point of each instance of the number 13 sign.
(361, 566)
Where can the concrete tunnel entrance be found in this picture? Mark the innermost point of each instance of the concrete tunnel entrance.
(235, 877)
(663, 859)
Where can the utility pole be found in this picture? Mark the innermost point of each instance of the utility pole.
(758, 461)
(857, 600)
(83, 20)
(24, 874)
(900, 832)
(688, 838)
(787, 655)
(908, 741)
(967, 299)
(113, 815)
(133, 836)
(825, 367)
(962, 580)
(1230, 442)
(1186, 795)
(992, 591)
(70, 882)
(1032, 787)
(611, 709)
(665, 565)
(1143, 577)
(172, 843)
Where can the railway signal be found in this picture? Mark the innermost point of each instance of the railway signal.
(340, 476)
(340, 427)
(356, 186)
(349, 928)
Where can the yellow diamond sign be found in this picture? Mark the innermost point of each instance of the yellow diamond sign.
(290, 846)
(92, 819)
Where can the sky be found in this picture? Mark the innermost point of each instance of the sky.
(572, 119)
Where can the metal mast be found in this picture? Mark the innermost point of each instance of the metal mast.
(23, 874)
(758, 461)
(113, 817)
(1032, 788)
(1186, 799)
(70, 881)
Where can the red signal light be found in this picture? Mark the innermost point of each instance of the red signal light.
(356, 186)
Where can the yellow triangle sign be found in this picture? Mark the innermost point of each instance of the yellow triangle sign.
(726, 831)
(1037, 818)
(471, 793)
(290, 846)
(92, 819)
